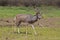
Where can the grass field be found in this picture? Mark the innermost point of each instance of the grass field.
(12, 11)
(43, 33)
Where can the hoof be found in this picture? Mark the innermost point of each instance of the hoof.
(18, 32)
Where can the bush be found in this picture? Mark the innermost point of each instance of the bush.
(29, 2)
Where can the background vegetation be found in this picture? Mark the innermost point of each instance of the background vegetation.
(29, 2)
(50, 11)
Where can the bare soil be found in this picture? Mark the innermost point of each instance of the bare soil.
(49, 22)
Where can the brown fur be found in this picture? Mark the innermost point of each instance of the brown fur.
(27, 18)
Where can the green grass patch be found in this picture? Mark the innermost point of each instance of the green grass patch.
(12, 11)
(47, 11)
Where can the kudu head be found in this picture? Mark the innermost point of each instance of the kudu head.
(38, 13)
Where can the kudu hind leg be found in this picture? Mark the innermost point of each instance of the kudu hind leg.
(17, 24)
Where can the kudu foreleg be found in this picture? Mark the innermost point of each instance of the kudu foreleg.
(34, 29)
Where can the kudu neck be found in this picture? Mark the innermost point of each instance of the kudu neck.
(37, 13)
